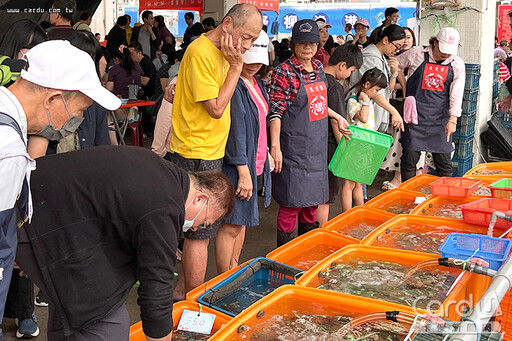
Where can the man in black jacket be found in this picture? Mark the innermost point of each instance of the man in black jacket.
(147, 35)
(117, 35)
(106, 217)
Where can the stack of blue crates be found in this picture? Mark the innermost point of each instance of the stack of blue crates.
(463, 137)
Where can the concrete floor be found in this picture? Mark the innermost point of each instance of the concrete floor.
(258, 242)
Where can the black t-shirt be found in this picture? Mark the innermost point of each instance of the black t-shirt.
(149, 70)
(60, 32)
(104, 218)
(362, 46)
(335, 101)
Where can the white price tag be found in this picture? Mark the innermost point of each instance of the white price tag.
(195, 322)
(419, 200)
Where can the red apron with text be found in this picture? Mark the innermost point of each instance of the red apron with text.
(304, 132)
(430, 85)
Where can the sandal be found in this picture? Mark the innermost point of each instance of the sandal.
(386, 186)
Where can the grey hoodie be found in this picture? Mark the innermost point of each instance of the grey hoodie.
(372, 58)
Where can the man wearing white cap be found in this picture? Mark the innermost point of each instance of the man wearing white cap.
(48, 98)
(434, 101)
(246, 163)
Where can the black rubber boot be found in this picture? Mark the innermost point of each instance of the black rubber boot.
(283, 237)
(306, 227)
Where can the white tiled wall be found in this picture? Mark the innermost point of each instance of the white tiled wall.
(477, 32)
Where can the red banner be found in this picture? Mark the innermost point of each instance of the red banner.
(188, 5)
(264, 5)
(504, 32)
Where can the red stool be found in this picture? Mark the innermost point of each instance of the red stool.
(137, 133)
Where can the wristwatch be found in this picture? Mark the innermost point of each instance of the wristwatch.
(367, 104)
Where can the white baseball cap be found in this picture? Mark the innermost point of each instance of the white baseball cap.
(258, 53)
(448, 38)
(59, 65)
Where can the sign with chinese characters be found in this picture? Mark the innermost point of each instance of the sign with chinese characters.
(191, 5)
(338, 15)
(264, 5)
(504, 32)
(317, 99)
(434, 77)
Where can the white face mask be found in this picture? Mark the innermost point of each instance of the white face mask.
(189, 223)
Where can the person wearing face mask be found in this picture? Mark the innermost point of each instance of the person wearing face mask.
(391, 18)
(50, 95)
(119, 228)
(435, 90)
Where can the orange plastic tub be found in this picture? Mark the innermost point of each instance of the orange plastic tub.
(365, 253)
(399, 232)
(310, 248)
(488, 169)
(193, 294)
(397, 201)
(136, 333)
(357, 222)
(432, 207)
(420, 183)
(289, 300)
(479, 212)
(454, 187)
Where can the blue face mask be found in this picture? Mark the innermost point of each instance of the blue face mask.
(190, 223)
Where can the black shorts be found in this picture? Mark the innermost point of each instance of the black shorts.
(195, 165)
(334, 181)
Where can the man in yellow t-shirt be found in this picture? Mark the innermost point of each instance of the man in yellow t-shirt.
(207, 79)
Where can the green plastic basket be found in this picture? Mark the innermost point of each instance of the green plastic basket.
(360, 158)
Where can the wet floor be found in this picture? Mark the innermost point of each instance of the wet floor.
(258, 242)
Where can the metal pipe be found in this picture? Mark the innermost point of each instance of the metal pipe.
(472, 327)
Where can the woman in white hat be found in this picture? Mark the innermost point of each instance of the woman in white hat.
(433, 104)
(247, 162)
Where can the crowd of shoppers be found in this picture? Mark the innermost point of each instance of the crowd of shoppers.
(237, 117)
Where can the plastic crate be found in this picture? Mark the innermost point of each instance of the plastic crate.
(249, 284)
(420, 183)
(194, 294)
(471, 95)
(360, 158)
(461, 166)
(494, 166)
(432, 206)
(395, 232)
(291, 300)
(463, 139)
(405, 258)
(395, 200)
(469, 107)
(506, 118)
(465, 126)
(462, 246)
(463, 149)
(454, 187)
(472, 76)
(310, 248)
(136, 333)
(480, 211)
(502, 188)
(349, 223)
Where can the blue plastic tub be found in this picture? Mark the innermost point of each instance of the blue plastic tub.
(462, 246)
(248, 285)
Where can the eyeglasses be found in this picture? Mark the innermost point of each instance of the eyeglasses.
(398, 48)
(205, 224)
(305, 44)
